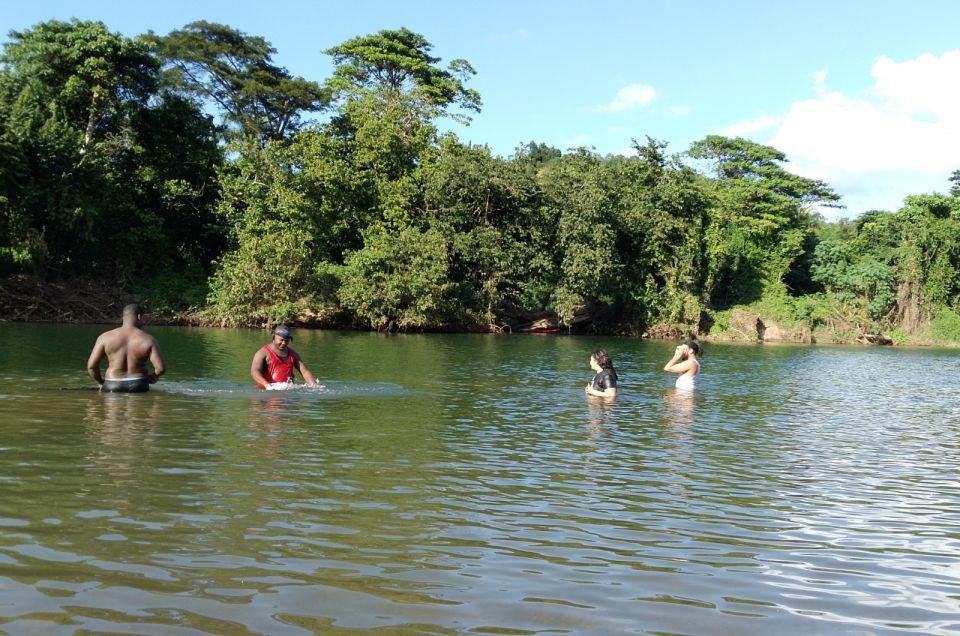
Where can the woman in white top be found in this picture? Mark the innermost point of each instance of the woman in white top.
(686, 362)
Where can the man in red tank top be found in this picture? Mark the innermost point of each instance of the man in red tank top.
(274, 363)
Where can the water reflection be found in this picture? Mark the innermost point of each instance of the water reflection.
(599, 411)
(600, 416)
(680, 405)
(266, 426)
(121, 431)
(115, 420)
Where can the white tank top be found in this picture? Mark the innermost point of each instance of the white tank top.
(689, 381)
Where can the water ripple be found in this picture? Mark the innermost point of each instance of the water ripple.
(464, 484)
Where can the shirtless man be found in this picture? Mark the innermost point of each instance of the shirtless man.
(274, 363)
(127, 349)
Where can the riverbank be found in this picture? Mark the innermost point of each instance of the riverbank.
(88, 301)
(28, 299)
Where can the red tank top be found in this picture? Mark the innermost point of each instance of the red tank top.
(278, 369)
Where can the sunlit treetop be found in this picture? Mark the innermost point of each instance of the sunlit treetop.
(398, 62)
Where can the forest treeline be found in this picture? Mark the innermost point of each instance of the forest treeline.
(192, 171)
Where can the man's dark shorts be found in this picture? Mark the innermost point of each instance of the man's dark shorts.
(126, 385)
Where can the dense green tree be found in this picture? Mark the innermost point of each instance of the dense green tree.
(235, 71)
(364, 170)
(265, 276)
(761, 220)
(492, 211)
(399, 280)
(343, 196)
(78, 73)
(385, 142)
(661, 241)
(901, 267)
(105, 175)
(536, 154)
(852, 278)
(71, 92)
(397, 63)
(954, 183)
(586, 266)
(389, 92)
(107, 170)
(176, 160)
(929, 251)
(354, 186)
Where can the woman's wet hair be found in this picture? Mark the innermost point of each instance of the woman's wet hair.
(695, 346)
(603, 358)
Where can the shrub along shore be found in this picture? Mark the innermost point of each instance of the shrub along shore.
(26, 299)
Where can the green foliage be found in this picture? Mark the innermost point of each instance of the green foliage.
(76, 72)
(397, 63)
(102, 170)
(234, 71)
(174, 292)
(536, 154)
(660, 239)
(262, 280)
(945, 327)
(898, 266)
(761, 219)
(399, 280)
(67, 87)
(819, 317)
(586, 263)
(832, 264)
(266, 275)
(954, 180)
(853, 277)
(491, 210)
(110, 168)
(931, 240)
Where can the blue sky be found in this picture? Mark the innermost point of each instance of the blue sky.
(862, 94)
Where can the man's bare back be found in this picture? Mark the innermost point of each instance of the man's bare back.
(127, 350)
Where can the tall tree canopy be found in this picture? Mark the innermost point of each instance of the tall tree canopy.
(105, 174)
(76, 72)
(761, 219)
(69, 91)
(398, 63)
(235, 71)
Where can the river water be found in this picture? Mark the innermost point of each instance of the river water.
(448, 484)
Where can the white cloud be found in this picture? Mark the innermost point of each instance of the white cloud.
(680, 111)
(630, 98)
(924, 85)
(897, 139)
(743, 128)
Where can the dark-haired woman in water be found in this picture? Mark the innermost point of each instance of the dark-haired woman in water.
(686, 362)
(604, 383)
